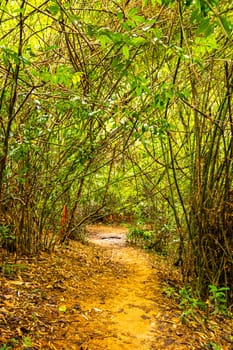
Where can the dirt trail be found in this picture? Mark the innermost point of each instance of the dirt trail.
(130, 306)
(133, 307)
(103, 295)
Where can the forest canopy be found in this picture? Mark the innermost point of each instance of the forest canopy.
(124, 108)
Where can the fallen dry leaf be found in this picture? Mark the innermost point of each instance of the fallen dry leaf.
(101, 295)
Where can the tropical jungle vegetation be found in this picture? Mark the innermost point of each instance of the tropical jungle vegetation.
(120, 109)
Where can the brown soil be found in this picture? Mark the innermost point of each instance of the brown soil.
(104, 295)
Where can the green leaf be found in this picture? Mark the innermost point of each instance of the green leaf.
(226, 25)
(9, 55)
(137, 41)
(132, 12)
(76, 78)
(62, 308)
(51, 47)
(54, 8)
(205, 27)
(24, 60)
(104, 40)
(195, 16)
(125, 51)
(27, 342)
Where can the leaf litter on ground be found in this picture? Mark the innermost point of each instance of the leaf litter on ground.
(88, 296)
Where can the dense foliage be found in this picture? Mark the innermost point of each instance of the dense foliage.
(120, 107)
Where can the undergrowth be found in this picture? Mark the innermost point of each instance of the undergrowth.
(13, 342)
(216, 303)
(9, 269)
(195, 309)
(196, 312)
(155, 240)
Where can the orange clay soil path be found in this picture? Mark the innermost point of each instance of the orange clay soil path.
(103, 295)
(121, 306)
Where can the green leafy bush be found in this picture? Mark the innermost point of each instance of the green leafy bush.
(189, 304)
(149, 239)
(218, 300)
(140, 237)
